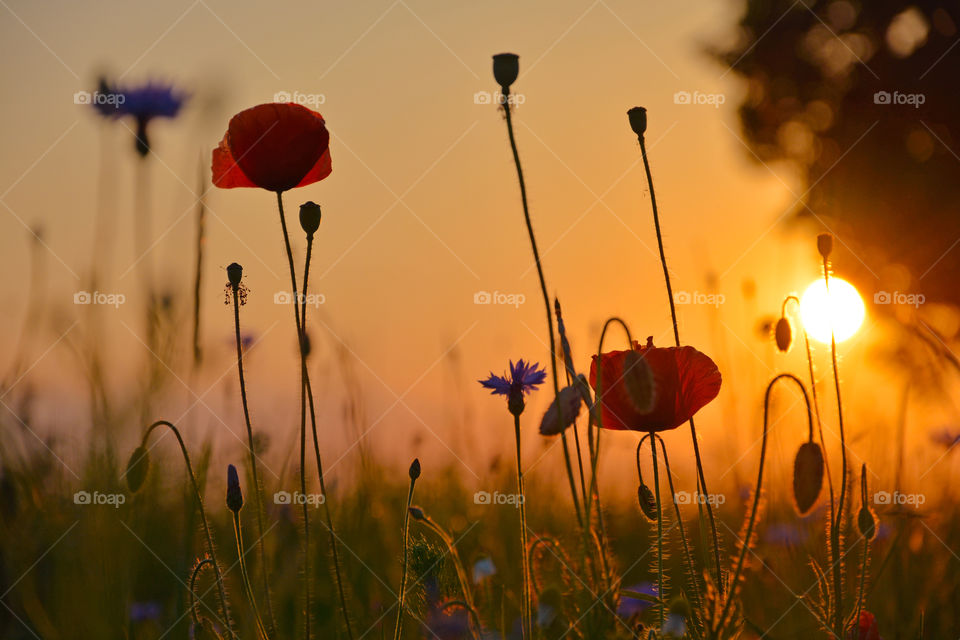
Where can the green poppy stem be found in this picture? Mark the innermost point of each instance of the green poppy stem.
(246, 576)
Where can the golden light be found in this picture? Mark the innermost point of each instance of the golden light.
(841, 310)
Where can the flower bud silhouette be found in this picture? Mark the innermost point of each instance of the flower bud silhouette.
(783, 334)
(807, 476)
(310, 217)
(234, 274)
(415, 469)
(825, 244)
(234, 494)
(648, 503)
(638, 120)
(506, 68)
(137, 468)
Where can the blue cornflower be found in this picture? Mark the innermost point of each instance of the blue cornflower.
(143, 103)
(522, 379)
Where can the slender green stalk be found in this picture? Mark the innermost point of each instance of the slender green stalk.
(303, 424)
(836, 538)
(257, 489)
(403, 569)
(656, 494)
(316, 443)
(203, 516)
(237, 532)
(676, 336)
(751, 521)
(198, 273)
(526, 608)
(546, 302)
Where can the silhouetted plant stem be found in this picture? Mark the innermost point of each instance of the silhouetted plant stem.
(656, 494)
(676, 336)
(403, 566)
(193, 587)
(335, 553)
(303, 423)
(757, 496)
(203, 516)
(526, 609)
(257, 489)
(836, 538)
(546, 301)
(198, 274)
(237, 532)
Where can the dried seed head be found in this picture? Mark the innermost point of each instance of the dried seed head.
(137, 468)
(638, 380)
(783, 334)
(506, 68)
(310, 217)
(648, 502)
(807, 477)
(825, 244)
(638, 120)
(234, 274)
(415, 469)
(234, 494)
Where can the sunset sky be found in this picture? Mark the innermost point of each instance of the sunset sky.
(422, 209)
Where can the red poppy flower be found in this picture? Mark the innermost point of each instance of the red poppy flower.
(273, 146)
(685, 380)
(866, 628)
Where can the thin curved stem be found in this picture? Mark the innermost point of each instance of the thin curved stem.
(203, 515)
(303, 423)
(701, 478)
(335, 553)
(403, 570)
(751, 522)
(546, 301)
(193, 588)
(257, 490)
(457, 563)
(656, 493)
(238, 534)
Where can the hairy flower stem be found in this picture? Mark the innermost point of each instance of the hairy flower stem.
(193, 588)
(546, 301)
(836, 538)
(451, 545)
(656, 493)
(203, 516)
(238, 534)
(335, 553)
(403, 566)
(257, 489)
(752, 520)
(701, 479)
(527, 606)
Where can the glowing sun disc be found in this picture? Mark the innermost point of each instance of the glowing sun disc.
(841, 310)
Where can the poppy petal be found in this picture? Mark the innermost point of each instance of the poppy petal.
(319, 171)
(699, 381)
(226, 172)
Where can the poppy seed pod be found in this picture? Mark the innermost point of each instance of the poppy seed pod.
(638, 120)
(783, 333)
(234, 273)
(648, 502)
(807, 477)
(825, 244)
(506, 68)
(310, 217)
(415, 469)
(137, 468)
(234, 494)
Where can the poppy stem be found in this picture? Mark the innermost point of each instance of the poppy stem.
(335, 553)
(193, 588)
(701, 478)
(546, 301)
(246, 576)
(527, 605)
(836, 538)
(451, 545)
(203, 517)
(303, 423)
(198, 271)
(757, 495)
(257, 489)
(403, 566)
(656, 493)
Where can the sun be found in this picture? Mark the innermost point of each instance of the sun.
(842, 310)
